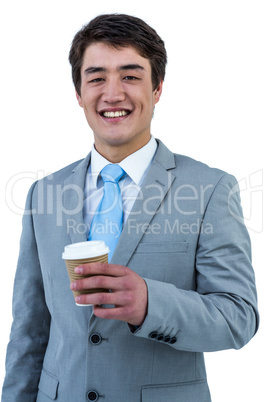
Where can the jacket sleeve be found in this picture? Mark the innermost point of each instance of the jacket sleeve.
(221, 313)
(31, 320)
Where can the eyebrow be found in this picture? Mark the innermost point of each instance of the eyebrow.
(92, 70)
(131, 67)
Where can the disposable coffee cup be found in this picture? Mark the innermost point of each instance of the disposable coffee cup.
(82, 253)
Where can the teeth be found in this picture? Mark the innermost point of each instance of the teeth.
(115, 114)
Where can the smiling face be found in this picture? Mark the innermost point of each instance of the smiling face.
(118, 99)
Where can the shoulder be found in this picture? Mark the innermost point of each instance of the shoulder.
(64, 172)
(199, 171)
(56, 181)
(191, 171)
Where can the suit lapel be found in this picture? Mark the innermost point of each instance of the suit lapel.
(73, 201)
(155, 187)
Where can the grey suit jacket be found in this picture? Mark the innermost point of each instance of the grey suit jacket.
(186, 237)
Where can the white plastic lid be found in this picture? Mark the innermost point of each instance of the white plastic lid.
(86, 249)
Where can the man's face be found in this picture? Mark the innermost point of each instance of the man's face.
(117, 97)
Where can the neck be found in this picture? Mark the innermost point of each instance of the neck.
(116, 154)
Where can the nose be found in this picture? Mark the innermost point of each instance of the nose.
(113, 91)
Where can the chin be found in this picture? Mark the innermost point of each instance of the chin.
(117, 139)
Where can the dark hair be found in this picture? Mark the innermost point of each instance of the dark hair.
(119, 30)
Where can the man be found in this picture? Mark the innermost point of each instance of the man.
(179, 281)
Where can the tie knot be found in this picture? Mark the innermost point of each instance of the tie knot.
(112, 172)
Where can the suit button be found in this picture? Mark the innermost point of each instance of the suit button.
(173, 340)
(92, 396)
(95, 339)
(167, 339)
(153, 335)
(160, 337)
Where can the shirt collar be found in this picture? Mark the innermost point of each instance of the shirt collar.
(135, 165)
(97, 163)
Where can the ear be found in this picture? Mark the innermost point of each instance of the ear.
(157, 92)
(79, 99)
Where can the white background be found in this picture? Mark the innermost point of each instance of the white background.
(213, 108)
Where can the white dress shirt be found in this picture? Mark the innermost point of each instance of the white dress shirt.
(135, 166)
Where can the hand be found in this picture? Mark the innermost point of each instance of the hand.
(128, 292)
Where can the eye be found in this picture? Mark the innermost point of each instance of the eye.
(130, 78)
(96, 80)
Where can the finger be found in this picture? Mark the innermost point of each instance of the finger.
(99, 268)
(122, 313)
(116, 313)
(96, 281)
(100, 298)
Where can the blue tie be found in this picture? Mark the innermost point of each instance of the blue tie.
(108, 219)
